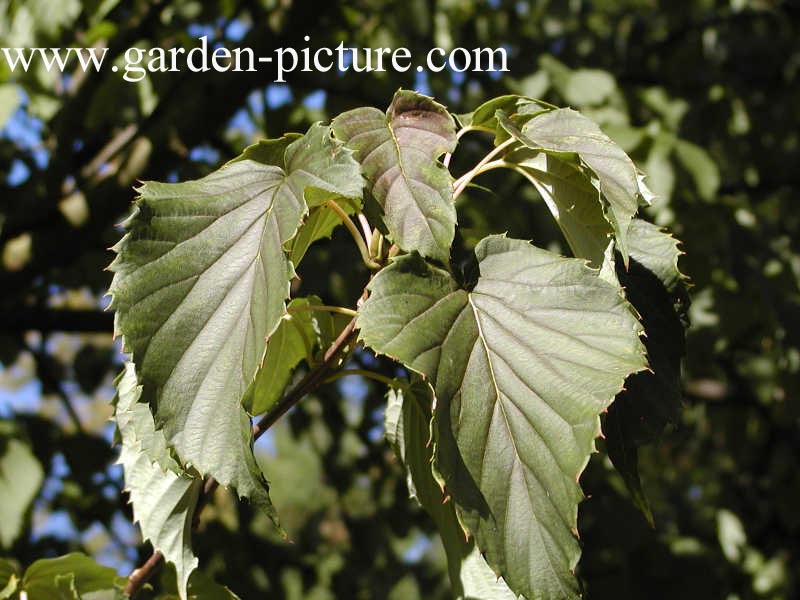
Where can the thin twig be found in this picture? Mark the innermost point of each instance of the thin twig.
(323, 307)
(144, 573)
(363, 373)
(309, 383)
(461, 183)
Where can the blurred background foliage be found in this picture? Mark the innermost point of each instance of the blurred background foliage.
(703, 94)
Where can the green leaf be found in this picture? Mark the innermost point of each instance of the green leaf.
(570, 136)
(407, 423)
(572, 200)
(202, 587)
(522, 366)
(201, 280)
(9, 579)
(657, 251)
(70, 576)
(652, 398)
(9, 101)
(398, 152)
(21, 476)
(268, 152)
(320, 224)
(485, 116)
(699, 165)
(295, 339)
(163, 497)
(589, 86)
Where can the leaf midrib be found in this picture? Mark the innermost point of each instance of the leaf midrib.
(522, 464)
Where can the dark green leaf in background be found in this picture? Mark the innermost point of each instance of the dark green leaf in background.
(21, 476)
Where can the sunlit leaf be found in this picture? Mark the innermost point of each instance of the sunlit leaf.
(572, 200)
(163, 497)
(569, 136)
(398, 152)
(522, 366)
(201, 280)
(21, 476)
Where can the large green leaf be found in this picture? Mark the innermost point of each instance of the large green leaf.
(21, 476)
(522, 366)
(201, 280)
(569, 136)
(407, 422)
(163, 497)
(398, 152)
(71, 576)
(295, 339)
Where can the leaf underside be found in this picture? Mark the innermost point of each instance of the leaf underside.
(568, 136)
(398, 152)
(200, 281)
(407, 425)
(163, 497)
(522, 366)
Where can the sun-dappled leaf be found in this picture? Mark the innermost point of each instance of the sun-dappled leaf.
(200, 281)
(21, 476)
(589, 86)
(49, 578)
(398, 152)
(699, 165)
(163, 497)
(522, 366)
(9, 101)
